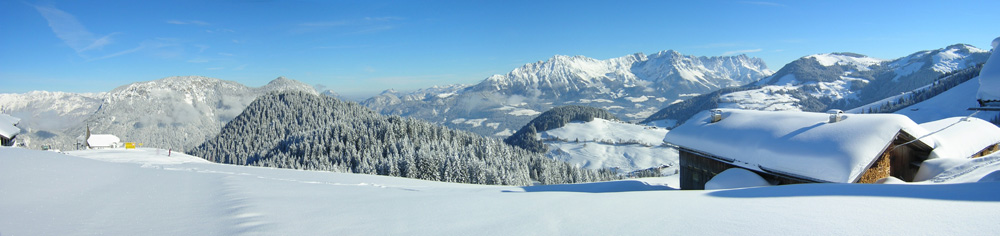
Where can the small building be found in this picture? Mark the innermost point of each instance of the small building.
(8, 129)
(101, 141)
(963, 137)
(788, 147)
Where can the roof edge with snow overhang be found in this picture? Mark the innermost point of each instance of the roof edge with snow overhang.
(803, 145)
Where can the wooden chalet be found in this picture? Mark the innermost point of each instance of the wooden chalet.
(8, 129)
(787, 147)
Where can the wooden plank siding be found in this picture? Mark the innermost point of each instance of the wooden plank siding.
(987, 151)
(4, 141)
(698, 168)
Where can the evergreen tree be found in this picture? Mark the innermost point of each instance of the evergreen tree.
(305, 131)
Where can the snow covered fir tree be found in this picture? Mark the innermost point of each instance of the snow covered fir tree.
(306, 131)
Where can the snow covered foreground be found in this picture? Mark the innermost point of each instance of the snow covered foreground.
(138, 192)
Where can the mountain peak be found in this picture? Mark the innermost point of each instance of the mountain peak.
(284, 84)
(961, 47)
(280, 80)
(861, 62)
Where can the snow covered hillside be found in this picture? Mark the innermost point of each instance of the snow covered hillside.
(632, 87)
(45, 115)
(836, 81)
(844, 80)
(931, 104)
(953, 102)
(178, 112)
(142, 192)
(611, 144)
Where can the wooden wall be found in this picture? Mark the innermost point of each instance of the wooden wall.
(696, 170)
(988, 150)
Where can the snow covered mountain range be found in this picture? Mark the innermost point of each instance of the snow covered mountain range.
(847, 80)
(173, 112)
(834, 81)
(632, 87)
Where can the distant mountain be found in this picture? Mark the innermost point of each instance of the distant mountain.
(173, 112)
(305, 131)
(45, 115)
(835, 81)
(178, 112)
(631, 87)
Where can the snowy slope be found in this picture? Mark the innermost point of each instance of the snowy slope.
(954, 102)
(610, 144)
(46, 193)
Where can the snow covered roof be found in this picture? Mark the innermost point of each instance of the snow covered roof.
(4, 118)
(804, 144)
(989, 76)
(102, 140)
(7, 125)
(963, 137)
(8, 130)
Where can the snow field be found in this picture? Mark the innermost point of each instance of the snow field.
(610, 144)
(46, 193)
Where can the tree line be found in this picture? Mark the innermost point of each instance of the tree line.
(304, 131)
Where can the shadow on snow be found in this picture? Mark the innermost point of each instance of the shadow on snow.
(598, 187)
(988, 191)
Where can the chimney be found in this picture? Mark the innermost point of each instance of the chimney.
(716, 115)
(835, 115)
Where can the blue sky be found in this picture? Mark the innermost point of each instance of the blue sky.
(358, 48)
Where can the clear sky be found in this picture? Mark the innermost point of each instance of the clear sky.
(358, 48)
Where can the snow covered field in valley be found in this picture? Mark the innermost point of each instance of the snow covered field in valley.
(610, 144)
(144, 192)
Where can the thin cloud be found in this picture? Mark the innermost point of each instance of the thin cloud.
(717, 45)
(343, 47)
(367, 25)
(372, 30)
(770, 4)
(117, 54)
(410, 80)
(729, 53)
(325, 23)
(201, 47)
(156, 47)
(384, 18)
(71, 31)
(187, 22)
